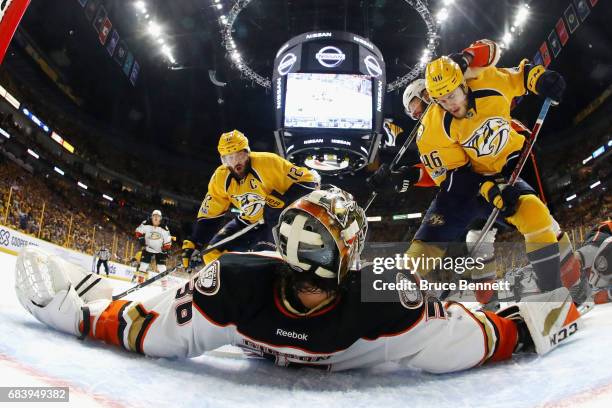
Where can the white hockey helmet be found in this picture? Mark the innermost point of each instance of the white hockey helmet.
(414, 90)
(156, 212)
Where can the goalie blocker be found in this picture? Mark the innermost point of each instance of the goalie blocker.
(302, 309)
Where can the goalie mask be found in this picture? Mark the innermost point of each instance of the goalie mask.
(321, 235)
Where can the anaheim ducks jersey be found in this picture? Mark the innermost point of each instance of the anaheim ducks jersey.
(268, 173)
(156, 238)
(485, 137)
(239, 300)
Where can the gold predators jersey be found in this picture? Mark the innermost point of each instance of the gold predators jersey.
(484, 137)
(269, 173)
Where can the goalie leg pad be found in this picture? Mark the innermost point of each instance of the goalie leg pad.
(551, 318)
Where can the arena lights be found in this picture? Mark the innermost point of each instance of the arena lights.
(570, 198)
(520, 18)
(375, 218)
(595, 184)
(109, 198)
(9, 98)
(442, 15)
(33, 154)
(34, 119)
(58, 139)
(5, 133)
(227, 20)
(140, 6)
(58, 170)
(425, 57)
(599, 151)
(154, 29)
(83, 186)
(410, 216)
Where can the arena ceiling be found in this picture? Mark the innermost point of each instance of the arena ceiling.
(179, 108)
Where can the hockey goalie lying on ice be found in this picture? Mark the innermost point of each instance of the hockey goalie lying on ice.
(302, 308)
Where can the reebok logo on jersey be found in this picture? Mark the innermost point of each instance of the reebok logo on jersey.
(292, 334)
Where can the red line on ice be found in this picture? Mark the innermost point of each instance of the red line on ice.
(57, 382)
(581, 397)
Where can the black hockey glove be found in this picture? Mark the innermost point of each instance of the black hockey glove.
(379, 181)
(551, 85)
(500, 195)
(461, 60)
(400, 180)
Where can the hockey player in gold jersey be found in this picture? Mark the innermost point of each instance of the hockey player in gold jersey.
(469, 148)
(258, 184)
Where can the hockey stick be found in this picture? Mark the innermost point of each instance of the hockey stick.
(399, 155)
(517, 170)
(530, 142)
(204, 252)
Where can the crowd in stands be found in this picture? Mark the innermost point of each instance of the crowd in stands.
(59, 215)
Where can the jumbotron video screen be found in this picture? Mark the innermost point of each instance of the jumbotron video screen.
(328, 101)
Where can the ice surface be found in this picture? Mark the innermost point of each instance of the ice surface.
(576, 374)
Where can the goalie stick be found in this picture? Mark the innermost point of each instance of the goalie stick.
(204, 252)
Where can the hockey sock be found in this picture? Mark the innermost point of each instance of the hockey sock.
(533, 220)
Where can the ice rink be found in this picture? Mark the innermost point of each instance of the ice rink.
(576, 374)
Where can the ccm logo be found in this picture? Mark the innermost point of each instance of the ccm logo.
(291, 334)
(563, 334)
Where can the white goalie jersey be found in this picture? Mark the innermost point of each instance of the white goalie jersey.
(239, 300)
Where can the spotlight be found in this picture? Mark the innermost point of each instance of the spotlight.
(507, 39)
(521, 15)
(154, 29)
(442, 15)
(140, 6)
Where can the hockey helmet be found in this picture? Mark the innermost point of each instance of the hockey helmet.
(413, 90)
(321, 235)
(442, 76)
(232, 142)
(156, 212)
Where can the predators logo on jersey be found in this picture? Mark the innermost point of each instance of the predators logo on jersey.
(269, 177)
(490, 138)
(250, 204)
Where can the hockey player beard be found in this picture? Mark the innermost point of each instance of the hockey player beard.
(240, 170)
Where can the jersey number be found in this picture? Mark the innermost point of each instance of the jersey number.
(295, 173)
(431, 160)
(183, 310)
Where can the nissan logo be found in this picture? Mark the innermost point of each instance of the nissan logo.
(4, 237)
(286, 63)
(372, 66)
(330, 57)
